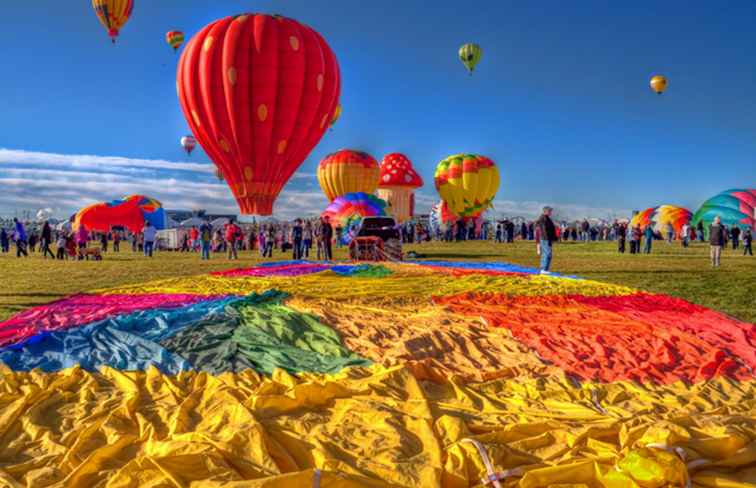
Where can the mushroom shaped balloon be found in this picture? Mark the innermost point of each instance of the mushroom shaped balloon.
(258, 92)
(348, 171)
(397, 183)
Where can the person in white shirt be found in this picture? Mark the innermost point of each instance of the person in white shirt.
(685, 235)
(149, 233)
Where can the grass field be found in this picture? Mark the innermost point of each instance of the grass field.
(670, 269)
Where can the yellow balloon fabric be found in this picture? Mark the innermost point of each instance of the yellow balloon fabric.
(370, 427)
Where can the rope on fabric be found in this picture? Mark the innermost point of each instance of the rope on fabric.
(492, 477)
(680, 452)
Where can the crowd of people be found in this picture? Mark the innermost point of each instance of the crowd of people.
(304, 237)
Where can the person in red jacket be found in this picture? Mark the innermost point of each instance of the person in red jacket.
(233, 232)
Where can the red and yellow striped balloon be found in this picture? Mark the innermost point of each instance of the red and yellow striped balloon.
(113, 14)
(348, 171)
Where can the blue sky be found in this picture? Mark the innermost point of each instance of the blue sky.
(560, 100)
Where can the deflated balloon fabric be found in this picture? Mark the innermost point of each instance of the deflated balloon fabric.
(368, 427)
(225, 335)
(79, 310)
(485, 371)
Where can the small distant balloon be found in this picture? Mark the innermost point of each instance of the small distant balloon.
(218, 174)
(188, 143)
(174, 39)
(470, 55)
(658, 84)
(336, 115)
(113, 14)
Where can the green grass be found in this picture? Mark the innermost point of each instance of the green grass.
(670, 269)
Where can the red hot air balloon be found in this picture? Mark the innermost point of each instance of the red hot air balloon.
(258, 92)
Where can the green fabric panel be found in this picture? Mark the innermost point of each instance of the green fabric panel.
(261, 333)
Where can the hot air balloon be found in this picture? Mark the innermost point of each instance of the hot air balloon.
(348, 171)
(397, 183)
(174, 39)
(659, 218)
(113, 14)
(658, 84)
(733, 207)
(470, 55)
(130, 212)
(467, 183)
(348, 211)
(258, 92)
(188, 143)
(336, 115)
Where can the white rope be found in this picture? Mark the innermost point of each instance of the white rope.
(492, 477)
(680, 452)
(594, 396)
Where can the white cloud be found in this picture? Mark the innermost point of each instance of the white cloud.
(83, 161)
(34, 180)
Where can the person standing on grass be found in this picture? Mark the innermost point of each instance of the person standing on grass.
(117, 241)
(621, 230)
(670, 233)
(270, 240)
(232, 236)
(326, 236)
(635, 239)
(307, 239)
(717, 239)
(149, 233)
(547, 234)
(204, 237)
(735, 233)
(46, 241)
(82, 238)
(296, 239)
(700, 230)
(4, 240)
(61, 246)
(747, 242)
(20, 237)
(261, 240)
(104, 241)
(685, 235)
(648, 235)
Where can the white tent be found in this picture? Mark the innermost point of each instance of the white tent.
(220, 222)
(193, 221)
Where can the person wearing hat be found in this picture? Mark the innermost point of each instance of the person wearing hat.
(547, 234)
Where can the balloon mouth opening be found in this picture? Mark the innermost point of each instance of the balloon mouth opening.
(260, 205)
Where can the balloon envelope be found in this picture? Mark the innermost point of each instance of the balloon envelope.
(130, 212)
(348, 171)
(733, 207)
(658, 84)
(470, 55)
(659, 218)
(174, 39)
(188, 143)
(113, 14)
(258, 92)
(467, 183)
(349, 210)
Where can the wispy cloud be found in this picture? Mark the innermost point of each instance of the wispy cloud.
(64, 183)
(84, 161)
